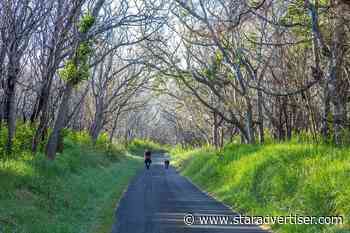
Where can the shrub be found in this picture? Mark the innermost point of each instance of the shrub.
(102, 141)
(81, 138)
(138, 146)
(21, 142)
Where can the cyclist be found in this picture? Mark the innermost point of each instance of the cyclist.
(148, 159)
(166, 163)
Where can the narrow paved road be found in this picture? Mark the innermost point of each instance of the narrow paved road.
(158, 199)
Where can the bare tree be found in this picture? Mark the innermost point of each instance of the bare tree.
(20, 19)
(124, 17)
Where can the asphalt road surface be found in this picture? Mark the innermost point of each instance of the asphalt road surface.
(158, 199)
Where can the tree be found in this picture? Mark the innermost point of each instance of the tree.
(20, 20)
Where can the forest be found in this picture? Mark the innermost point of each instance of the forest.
(202, 71)
(209, 77)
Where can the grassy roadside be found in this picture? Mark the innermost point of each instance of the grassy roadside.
(274, 180)
(107, 209)
(75, 193)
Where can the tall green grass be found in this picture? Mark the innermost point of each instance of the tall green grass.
(77, 192)
(275, 179)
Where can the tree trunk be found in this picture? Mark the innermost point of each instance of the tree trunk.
(44, 118)
(96, 130)
(215, 131)
(54, 138)
(249, 122)
(222, 135)
(261, 118)
(10, 101)
(287, 119)
(98, 121)
(243, 138)
(115, 124)
(336, 65)
(326, 109)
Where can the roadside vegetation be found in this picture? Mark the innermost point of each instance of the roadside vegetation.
(77, 192)
(275, 179)
(138, 146)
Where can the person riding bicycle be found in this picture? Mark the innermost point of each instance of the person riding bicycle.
(148, 159)
(166, 163)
